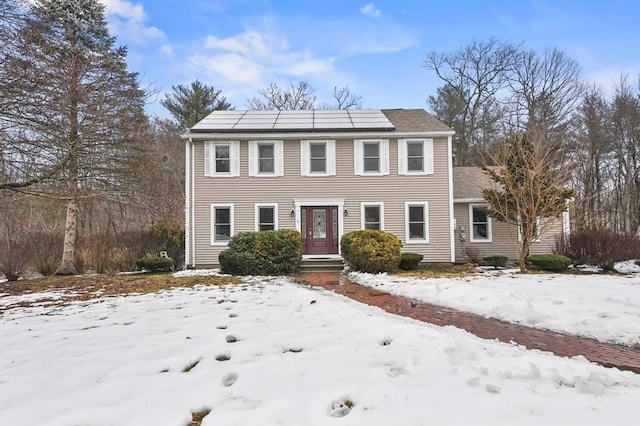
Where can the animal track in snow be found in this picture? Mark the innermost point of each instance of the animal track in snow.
(340, 407)
(223, 357)
(385, 342)
(233, 315)
(229, 379)
(231, 338)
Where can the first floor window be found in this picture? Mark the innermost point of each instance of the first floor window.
(266, 217)
(372, 216)
(221, 223)
(480, 224)
(417, 223)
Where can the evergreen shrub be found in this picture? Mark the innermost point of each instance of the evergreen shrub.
(370, 250)
(410, 261)
(262, 253)
(155, 263)
(495, 261)
(551, 262)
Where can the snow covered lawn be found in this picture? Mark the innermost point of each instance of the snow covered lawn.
(269, 352)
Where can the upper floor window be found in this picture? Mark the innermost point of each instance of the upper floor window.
(221, 223)
(265, 158)
(317, 158)
(222, 158)
(416, 222)
(415, 156)
(480, 223)
(266, 217)
(371, 157)
(372, 216)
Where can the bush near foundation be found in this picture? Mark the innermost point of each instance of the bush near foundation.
(155, 263)
(549, 262)
(495, 261)
(262, 253)
(410, 261)
(371, 251)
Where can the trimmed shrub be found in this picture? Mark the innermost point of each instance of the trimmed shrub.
(550, 262)
(155, 263)
(238, 262)
(262, 253)
(278, 252)
(601, 248)
(371, 251)
(410, 261)
(495, 261)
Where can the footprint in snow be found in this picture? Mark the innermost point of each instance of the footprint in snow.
(223, 357)
(231, 339)
(229, 379)
(340, 407)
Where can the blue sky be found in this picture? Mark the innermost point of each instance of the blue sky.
(376, 48)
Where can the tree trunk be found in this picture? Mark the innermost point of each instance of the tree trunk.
(67, 264)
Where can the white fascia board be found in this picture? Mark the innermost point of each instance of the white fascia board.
(314, 135)
(470, 200)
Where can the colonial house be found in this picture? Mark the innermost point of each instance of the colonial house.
(326, 173)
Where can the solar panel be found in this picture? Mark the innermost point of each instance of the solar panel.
(295, 120)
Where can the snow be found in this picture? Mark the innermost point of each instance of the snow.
(600, 306)
(269, 351)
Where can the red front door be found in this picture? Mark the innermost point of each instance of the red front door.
(319, 229)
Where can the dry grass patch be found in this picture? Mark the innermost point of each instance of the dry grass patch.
(441, 271)
(197, 416)
(86, 287)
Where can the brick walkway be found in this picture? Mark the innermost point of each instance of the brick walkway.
(606, 354)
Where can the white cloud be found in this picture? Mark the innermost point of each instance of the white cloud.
(127, 21)
(167, 50)
(370, 10)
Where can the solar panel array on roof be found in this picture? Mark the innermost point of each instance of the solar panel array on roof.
(299, 120)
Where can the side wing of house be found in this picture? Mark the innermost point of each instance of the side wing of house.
(477, 235)
(323, 184)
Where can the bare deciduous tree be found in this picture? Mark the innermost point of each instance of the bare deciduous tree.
(526, 193)
(297, 97)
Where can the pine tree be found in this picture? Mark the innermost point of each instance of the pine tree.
(190, 104)
(77, 111)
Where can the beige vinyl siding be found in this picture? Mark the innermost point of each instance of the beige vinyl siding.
(504, 238)
(392, 190)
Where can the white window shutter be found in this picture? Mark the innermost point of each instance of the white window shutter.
(278, 149)
(428, 156)
(253, 158)
(402, 156)
(358, 157)
(331, 158)
(234, 156)
(304, 158)
(208, 158)
(384, 156)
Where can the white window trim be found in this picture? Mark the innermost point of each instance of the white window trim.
(234, 158)
(213, 223)
(537, 236)
(257, 214)
(489, 238)
(358, 157)
(380, 205)
(425, 206)
(278, 156)
(427, 159)
(305, 158)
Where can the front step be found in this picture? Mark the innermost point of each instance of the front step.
(321, 265)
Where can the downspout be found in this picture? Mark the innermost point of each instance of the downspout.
(187, 201)
(451, 215)
(193, 201)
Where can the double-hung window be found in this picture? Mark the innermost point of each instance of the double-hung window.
(221, 223)
(222, 158)
(372, 216)
(480, 223)
(416, 222)
(266, 217)
(317, 158)
(415, 156)
(371, 157)
(265, 158)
